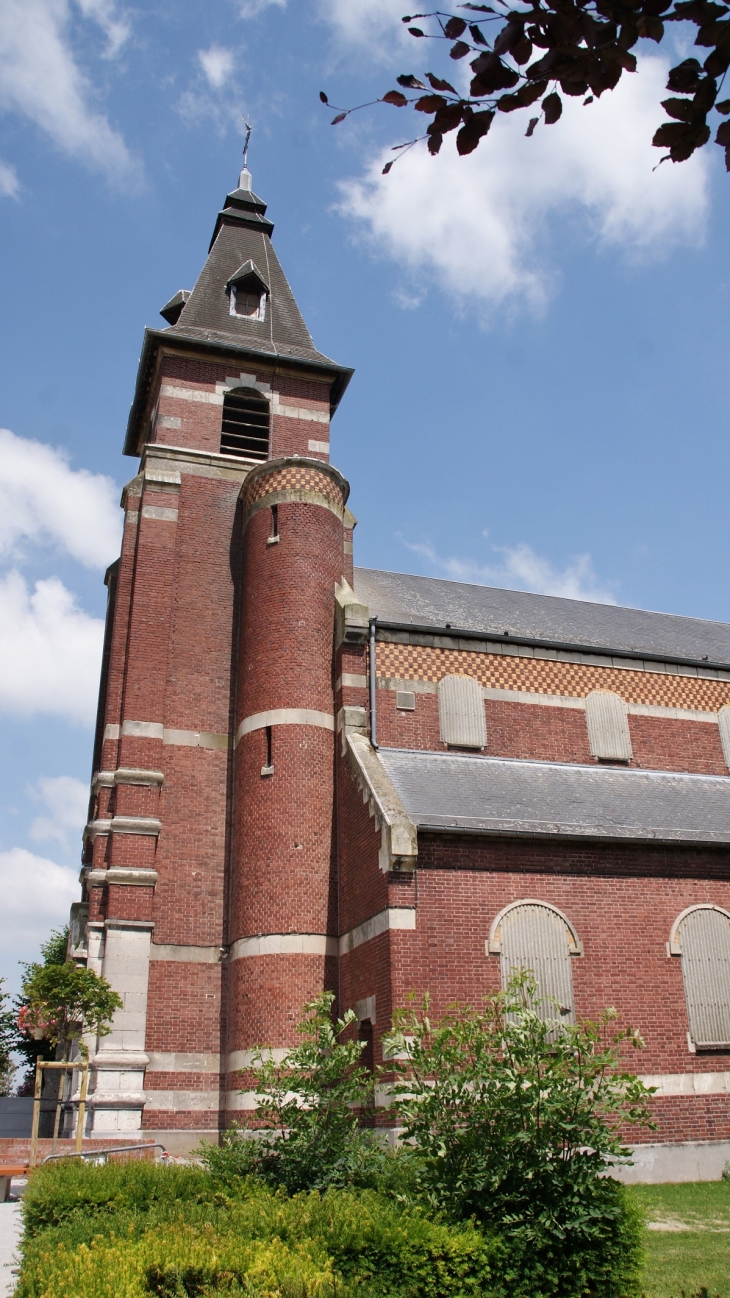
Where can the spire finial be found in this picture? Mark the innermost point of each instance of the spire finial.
(244, 180)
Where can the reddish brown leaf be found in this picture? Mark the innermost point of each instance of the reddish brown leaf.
(395, 97)
(387, 167)
(434, 143)
(521, 98)
(552, 106)
(473, 131)
(723, 134)
(685, 78)
(323, 97)
(476, 34)
(531, 127)
(438, 84)
(430, 103)
(723, 107)
(459, 50)
(454, 28)
(727, 159)
(416, 31)
(522, 51)
(410, 82)
(339, 118)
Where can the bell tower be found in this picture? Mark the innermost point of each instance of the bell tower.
(208, 886)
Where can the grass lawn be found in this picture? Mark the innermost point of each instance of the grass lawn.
(692, 1250)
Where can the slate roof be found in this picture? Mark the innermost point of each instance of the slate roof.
(242, 233)
(429, 602)
(448, 792)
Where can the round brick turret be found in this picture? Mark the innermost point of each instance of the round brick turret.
(282, 944)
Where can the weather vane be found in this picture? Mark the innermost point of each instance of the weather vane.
(245, 143)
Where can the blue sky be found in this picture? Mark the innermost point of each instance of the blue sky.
(539, 334)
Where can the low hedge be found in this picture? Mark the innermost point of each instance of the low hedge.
(132, 1230)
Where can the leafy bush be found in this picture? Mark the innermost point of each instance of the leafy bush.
(516, 1115)
(308, 1136)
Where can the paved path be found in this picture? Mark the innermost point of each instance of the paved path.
(9, 1236)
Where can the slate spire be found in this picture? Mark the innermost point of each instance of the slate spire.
(241, 238)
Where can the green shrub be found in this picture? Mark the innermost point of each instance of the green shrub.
(170, 1231)
(515, 1115)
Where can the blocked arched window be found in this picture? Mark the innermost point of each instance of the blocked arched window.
(701, 938)
(245, 428)
(608, 726)
(461, 712)
(533, 935)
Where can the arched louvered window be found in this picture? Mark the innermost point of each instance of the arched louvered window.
(701, 937)
(245, 430)
(608, 726)
(533, 935)
(461, 712)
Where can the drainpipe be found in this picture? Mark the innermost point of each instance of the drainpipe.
(371, 667)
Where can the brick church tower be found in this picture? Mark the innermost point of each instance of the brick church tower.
(308, 775)
(209, 851)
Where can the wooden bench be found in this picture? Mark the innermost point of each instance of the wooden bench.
(7, 1172)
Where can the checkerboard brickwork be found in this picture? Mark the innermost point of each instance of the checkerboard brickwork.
(293, 478)
(544, 676)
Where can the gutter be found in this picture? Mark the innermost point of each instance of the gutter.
(372, 682)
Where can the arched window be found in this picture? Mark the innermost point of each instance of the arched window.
(701, 937)
(608, 726)
(245, 430)
(461, 712)
(533, 935)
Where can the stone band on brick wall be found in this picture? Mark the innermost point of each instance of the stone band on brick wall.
(284, 717)
(247, 948)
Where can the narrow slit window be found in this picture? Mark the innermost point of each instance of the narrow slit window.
(268, 767)
(461, 712)
(274, 520)
(608, 726)
(701, 937)
(534, 936)
(245, 427)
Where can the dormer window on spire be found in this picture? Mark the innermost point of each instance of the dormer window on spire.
(247, 293)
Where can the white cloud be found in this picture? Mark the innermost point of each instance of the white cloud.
(217, 64)
(371, 26)
(251, 8)
(519, 567)
(66, 801)
(37, 894)
(50, 651)
(40, 78)
(115, 27)
(42, 499)
(476, 226)
(9, 183)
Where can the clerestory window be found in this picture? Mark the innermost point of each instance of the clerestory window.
(461, 712)
(608, 726)
(245, 428)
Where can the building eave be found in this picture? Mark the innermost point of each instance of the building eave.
(158, 341)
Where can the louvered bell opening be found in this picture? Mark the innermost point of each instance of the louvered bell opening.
(608, 726)
(536, 938)
(245, 430)
(704, 937)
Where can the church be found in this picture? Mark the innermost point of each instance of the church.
(309, 775)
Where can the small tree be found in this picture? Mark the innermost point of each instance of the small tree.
(517, 1117)
(63, 1002)
(308, 1110)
